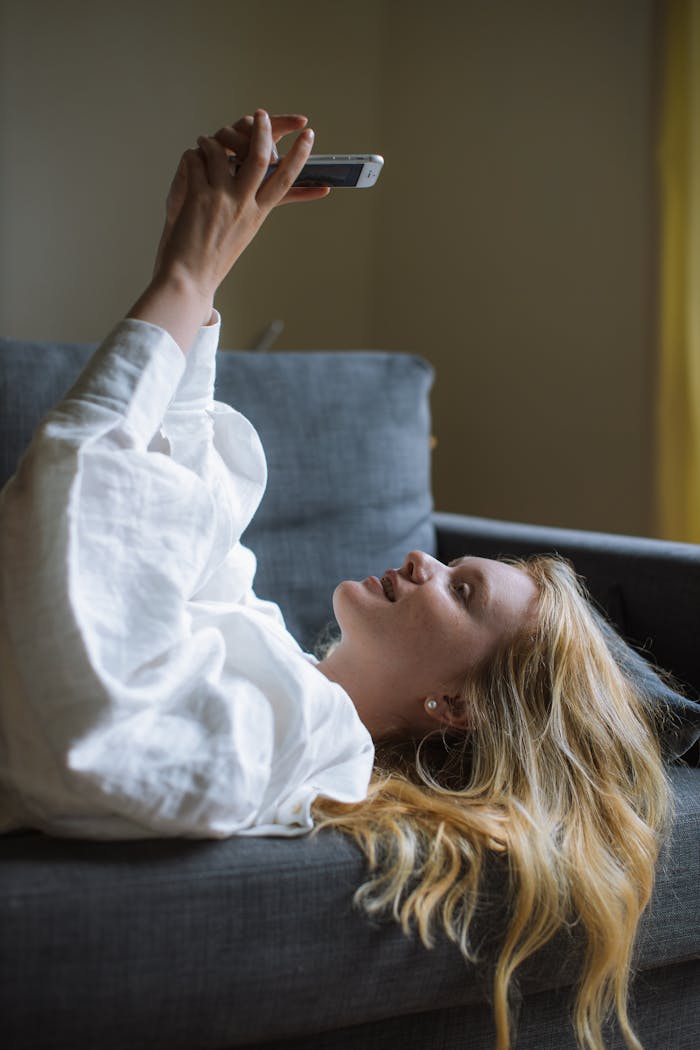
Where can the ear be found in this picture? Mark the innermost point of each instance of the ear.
(448, 711)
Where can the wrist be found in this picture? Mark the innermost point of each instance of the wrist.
(177, 284)
(175, 303)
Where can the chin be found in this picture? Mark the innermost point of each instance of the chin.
(339, 596)
(347, 598)
(345, 589)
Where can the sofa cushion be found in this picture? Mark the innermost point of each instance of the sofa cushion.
(677, 717)
(342, 501)
(182, 945)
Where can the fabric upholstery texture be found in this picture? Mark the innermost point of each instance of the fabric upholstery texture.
(187, 945)
(257, 937)
(343, 500)
(369, 489)
(542, 1022)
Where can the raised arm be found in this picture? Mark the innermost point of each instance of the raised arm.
(213, 214)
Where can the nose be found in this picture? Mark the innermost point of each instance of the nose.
(418, 567)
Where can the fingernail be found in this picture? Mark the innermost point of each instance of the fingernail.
(309, 135)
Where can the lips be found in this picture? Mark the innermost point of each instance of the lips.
(388, 586)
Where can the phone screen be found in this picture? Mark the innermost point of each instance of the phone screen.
(329, 175)
(319, 174)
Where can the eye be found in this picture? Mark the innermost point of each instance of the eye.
(462, 594)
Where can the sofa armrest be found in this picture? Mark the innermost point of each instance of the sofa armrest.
(649, 588)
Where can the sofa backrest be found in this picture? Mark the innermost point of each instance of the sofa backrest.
(346, 435)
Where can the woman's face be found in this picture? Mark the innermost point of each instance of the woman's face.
(424, 625)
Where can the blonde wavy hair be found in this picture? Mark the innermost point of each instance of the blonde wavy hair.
(561, 775)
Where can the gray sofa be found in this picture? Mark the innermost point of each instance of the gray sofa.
(186, 945)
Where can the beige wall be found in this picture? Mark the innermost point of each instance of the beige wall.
(509, 241)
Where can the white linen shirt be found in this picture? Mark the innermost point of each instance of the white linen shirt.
(145, 690)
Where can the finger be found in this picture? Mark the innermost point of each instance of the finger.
(288, 121)
(280, 182)
(254, 168)
(216, 158)
(239, 145)
(244, 124)
(237, 141)
(236, 137)
(299, 194)
(239, 133)
(283, 123)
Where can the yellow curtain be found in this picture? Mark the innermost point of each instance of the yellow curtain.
(678, 405)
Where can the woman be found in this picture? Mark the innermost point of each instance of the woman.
(147, 690)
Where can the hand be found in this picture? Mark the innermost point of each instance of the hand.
(212, 214)
(236, 140)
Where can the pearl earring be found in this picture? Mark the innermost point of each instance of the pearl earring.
(431, 705)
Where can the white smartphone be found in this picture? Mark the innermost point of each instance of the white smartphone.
(351, 170)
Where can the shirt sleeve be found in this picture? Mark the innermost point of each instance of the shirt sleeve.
(220, 445)
(102, 544)
(210, 438)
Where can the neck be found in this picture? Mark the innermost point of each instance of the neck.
(371, 694)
